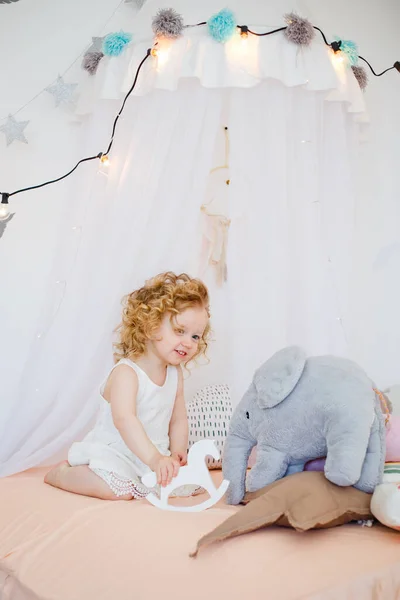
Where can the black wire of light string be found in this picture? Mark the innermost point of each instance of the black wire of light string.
(244, 29)
(5, 195)
(334, 45)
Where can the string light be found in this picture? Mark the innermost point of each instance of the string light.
(336, 46)
(105, 160)
(4, 207)
(338, 56)
(103, 156)
(162, 57)
(161, 52)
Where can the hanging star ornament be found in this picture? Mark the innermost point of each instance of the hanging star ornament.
(61, 91)
(138, 3)
(14, 130)
(97, 45)
(4, 222)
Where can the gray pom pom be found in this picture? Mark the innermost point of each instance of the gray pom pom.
(168, 23)
(361, 75)
(91, 61)
(299, 30)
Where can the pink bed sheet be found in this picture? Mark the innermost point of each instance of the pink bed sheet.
(59, 546)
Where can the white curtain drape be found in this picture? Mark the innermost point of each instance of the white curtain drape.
(290, 207)
(120, 229)
(292, 217)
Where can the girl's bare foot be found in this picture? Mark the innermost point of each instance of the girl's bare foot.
(53, 476)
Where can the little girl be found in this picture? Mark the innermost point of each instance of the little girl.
(143, 424)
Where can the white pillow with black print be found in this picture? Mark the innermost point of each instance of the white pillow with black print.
(209, 414)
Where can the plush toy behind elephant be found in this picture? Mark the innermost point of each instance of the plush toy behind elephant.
(299, 409)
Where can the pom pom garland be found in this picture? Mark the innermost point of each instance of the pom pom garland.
(299, 30)
(168, 24)
(361, 75)
(91, 61)
(115, 43)
(222, 26)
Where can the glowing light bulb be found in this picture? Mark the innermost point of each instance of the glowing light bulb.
(4, 211)
(154, 52)
(4, 208)
(244, 31)
(162, 55)
(338, 57)
(105, 160)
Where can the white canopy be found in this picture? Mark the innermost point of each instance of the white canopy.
(237, 63)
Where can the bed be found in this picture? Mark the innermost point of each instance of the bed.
(60, 546)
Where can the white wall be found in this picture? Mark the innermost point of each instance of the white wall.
(42, 38)
(38, 40)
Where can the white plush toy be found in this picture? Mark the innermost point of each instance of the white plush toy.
(196, 472)
(385, 502)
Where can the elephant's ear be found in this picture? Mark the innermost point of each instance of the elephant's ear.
(277, 377)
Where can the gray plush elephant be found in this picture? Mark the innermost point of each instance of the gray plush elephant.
(298, 409)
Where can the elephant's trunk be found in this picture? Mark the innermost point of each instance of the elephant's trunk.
(237, 451)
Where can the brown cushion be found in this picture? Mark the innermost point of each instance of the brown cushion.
(302, 501)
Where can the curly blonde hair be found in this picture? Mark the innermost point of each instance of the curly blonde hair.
(144, 309)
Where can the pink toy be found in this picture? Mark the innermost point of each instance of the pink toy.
(393, 439)
(392, 446)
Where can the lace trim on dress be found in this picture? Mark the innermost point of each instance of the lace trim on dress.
(121, 486)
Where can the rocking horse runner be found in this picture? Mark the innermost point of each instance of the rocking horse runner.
(196, 472)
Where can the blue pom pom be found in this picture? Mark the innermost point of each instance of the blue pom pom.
(114, 43)
(222, 26)
(350, 49)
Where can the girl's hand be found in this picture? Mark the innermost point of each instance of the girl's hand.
(166, 468)
(181, 457)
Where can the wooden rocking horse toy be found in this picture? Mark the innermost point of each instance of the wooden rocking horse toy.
(196, 472)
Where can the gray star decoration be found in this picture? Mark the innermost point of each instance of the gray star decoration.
(97, 45)
(138, 3)
(4, 223)
(61, 91)
(14, 130)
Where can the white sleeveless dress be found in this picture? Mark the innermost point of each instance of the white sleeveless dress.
(104, 451)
